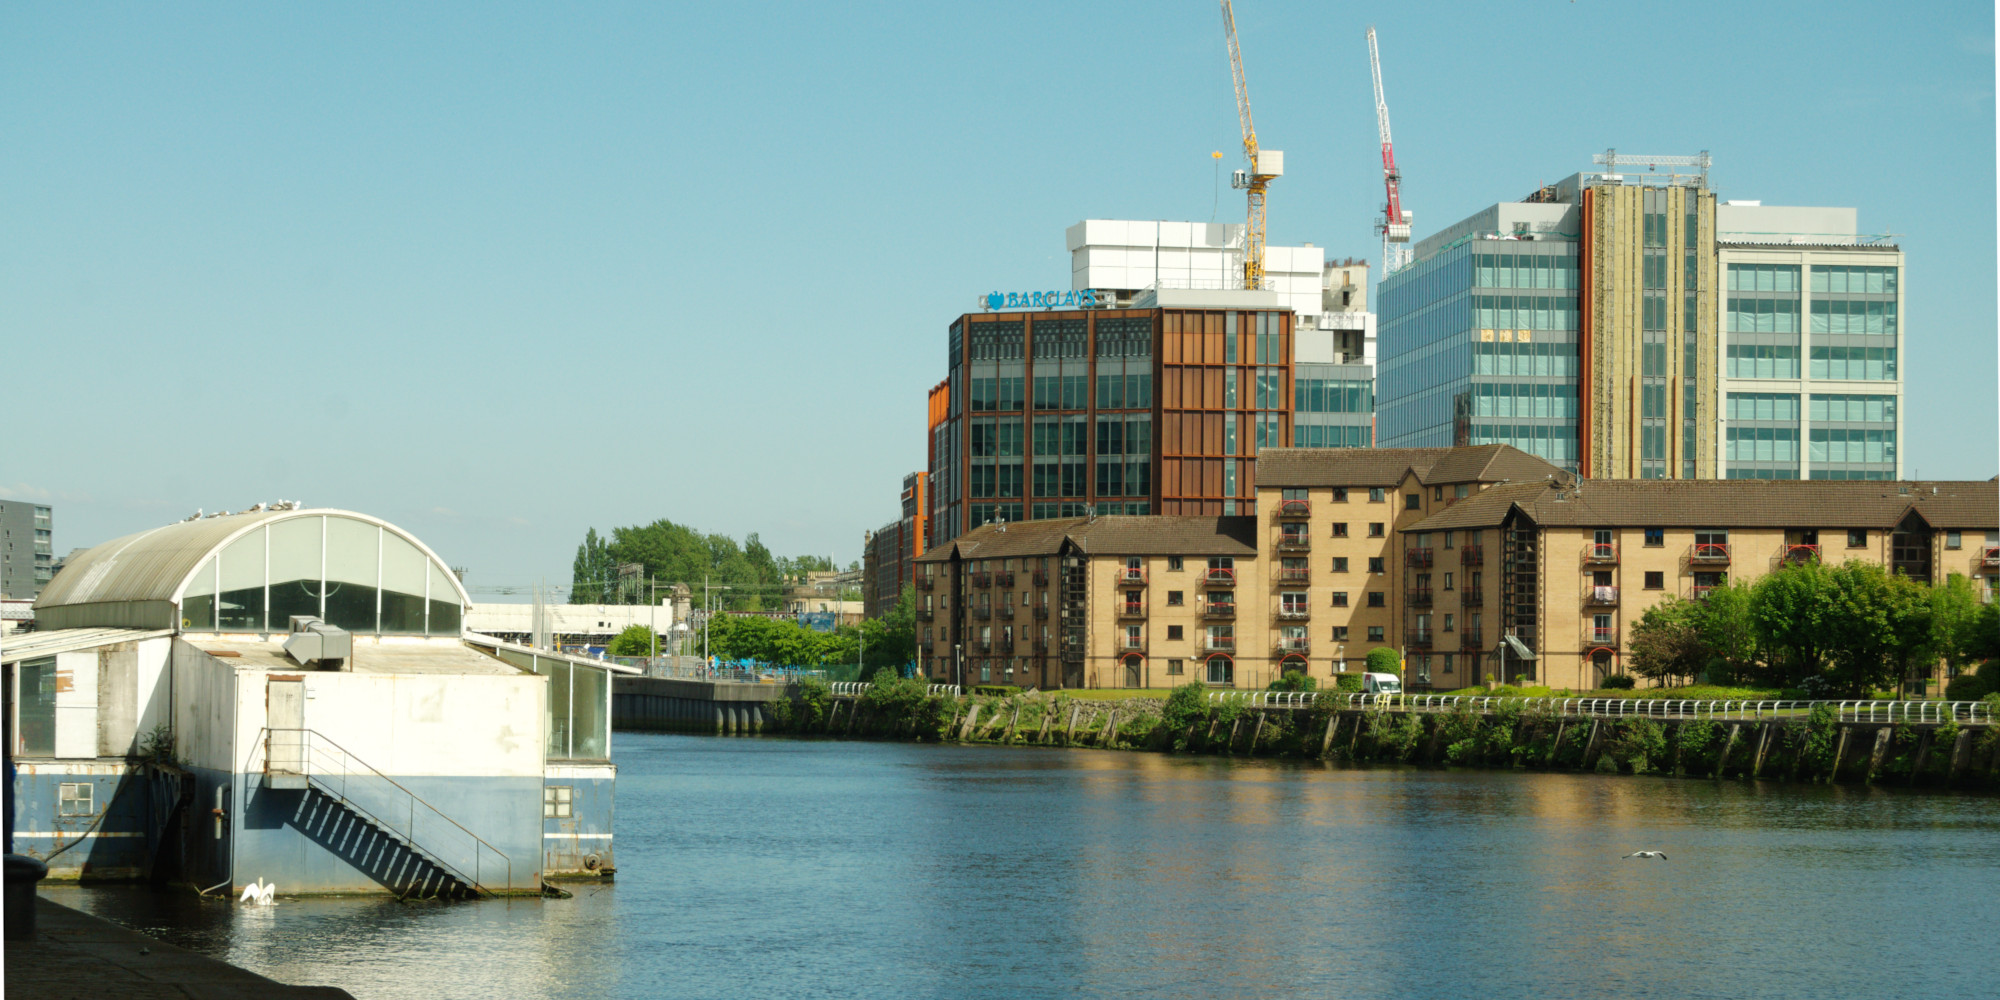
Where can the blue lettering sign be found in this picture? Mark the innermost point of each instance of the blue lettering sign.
(1087, 298)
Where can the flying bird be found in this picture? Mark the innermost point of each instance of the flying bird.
(1662, 855)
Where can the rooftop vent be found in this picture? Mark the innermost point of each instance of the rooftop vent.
(317, 645)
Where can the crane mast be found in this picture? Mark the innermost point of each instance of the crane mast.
(1395, 224)
(1264, 164)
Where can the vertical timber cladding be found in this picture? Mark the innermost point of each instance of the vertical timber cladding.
(1639, 242)
(1207, 377)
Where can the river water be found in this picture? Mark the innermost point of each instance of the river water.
(769, 868)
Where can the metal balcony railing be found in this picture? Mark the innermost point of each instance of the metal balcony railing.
(1700, 591)
(926, 583)
(1007, 646)
(1417, 638)
(1131, 644)
(1004, 578)
(1040, 577)
(1295, 574)
(1418, 598)
(1471, 598)
(1220, 644)
(1418, 558)
(1294, 612)
(1294, 543)
(925, 614)
(1469, 639)
(1128, 574)
(982, 647)
(1600, 597)
(982, 579)
(1042, 612)
(1132, 609)
(1292, 644)
(1600, 554)
(1714, 553)
(1803, 552)
(1471, 555)
(1294, 508)
(1594, 636)
(1219, 609)
(1004, 611)
(982, 613)
(1219, 576)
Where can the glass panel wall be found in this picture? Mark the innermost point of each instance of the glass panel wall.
(591, 732)
(353, 567)
(198, 602)
(351, 573)
(241, 604)
(445, 609)
(403, 586)
(37, 724)
(295, 570)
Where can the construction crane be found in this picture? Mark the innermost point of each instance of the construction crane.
(1395, 223)
(1265, 164)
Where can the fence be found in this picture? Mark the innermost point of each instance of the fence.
(1974, 712)
(857, 688)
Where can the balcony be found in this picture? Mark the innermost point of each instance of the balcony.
(1292, 644)
(1041, 647)
(1004, 578)
(1293, 543)
(1040, 577)
(1600, 597)
(1220, 644)
(1795, 555)
(1295, 508)
(1417, 638)
(1593, 636)
(983, 613)
(1219, 577)
(925, 614)
(1131, 574)
(1470, 640)
(1418, 598)
(1709, 553)
(982, 579)
(1700, 591)
(1471, 555)
(1004, 611)
(983, 648)
(1418, 558)
(1219, 609)
(1294, 613)
(1471, 598)
(1007, 647)
(1990, 556)
(1298, 574)
(1600, 554)
(1131, 644)
(1131, 609)
(1041, 612)
(926, 583)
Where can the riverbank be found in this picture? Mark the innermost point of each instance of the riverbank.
(75, 956)
(1811, 743)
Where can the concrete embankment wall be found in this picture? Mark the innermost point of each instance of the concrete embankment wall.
(658, 704)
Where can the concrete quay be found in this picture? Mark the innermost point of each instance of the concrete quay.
(666, 704)
(76, 955)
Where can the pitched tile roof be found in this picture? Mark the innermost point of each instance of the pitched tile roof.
(1281, 467)
(1729, 503)
(1122, 535)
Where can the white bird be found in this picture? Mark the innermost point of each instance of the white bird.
(260, 894)
(1662, 855)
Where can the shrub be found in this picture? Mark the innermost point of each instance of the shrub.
(997, 690)
(1383, 660)
(1618, 682)
(1294, 680)
(1640, 744)
(1187, 706)
(1348, 683)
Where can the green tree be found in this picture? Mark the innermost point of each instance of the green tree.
(1879, 624)
(594, 572)
(1383, 660)
(1728, 633)
(635, 641)
(1668, 642)
(1791, 612)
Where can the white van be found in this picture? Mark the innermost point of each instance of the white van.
(1381, 684)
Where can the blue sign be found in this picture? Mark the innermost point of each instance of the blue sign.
(1089, 298)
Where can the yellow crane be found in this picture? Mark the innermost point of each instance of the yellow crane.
(1265, 164)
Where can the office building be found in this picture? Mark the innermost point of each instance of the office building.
(27, 554)
(1623, 324)
(887, 553)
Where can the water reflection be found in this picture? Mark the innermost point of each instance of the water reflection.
(776, 868)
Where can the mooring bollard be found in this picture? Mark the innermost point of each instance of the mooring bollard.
(22, 874)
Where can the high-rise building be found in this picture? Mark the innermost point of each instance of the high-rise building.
(888, 551)
(27, 554)
(1626, 326)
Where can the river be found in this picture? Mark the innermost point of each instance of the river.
(772, 868)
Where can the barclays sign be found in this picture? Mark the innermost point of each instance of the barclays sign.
(1089, 298)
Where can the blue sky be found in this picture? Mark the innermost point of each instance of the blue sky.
(502, 273)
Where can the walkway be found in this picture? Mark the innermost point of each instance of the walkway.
(76, 955)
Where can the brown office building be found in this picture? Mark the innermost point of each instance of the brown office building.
(1156, 409)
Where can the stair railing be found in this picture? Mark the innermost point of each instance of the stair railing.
(386, 803)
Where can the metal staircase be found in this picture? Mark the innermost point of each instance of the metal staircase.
(307, 759)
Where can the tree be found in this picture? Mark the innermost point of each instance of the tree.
(1791, 611)
(1728, 633)
(1383, 660)
(590, 579)
(635, 641)
(1879, 623)
(1668, 641)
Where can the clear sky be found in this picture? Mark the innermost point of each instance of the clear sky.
(500, 273)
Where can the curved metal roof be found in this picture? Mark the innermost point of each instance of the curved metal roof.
(155, 565)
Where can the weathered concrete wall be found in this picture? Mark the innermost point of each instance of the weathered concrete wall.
(670, 705)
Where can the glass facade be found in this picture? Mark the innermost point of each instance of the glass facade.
(1762, 436)
(1479, 345)
(350, 573)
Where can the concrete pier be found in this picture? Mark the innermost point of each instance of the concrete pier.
(659, 704)
(76, 955)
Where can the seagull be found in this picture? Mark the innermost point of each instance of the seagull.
(1662, 855)
(260, 893)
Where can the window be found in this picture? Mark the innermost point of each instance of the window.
(1447, 663)
(1175, 598)
(1340, 529)
(1461, 491)
(1857, 538)
(1292, 602)
(1375, 564)
(1656, 580)
(1173, 632)
(1340, 494)
(1340, 564)
(1448, 537)
(1340, 598)
(556, 801)
(1174, 668)
(1953, 540)
(1174, 563)
(1437, 493)
(1375, 529)
(1340, 633)
(1413, 501)
(1376, 599)
(1656, 537)
(1447, 581)
(1221, 670)
(75, 798)
(1473, 580)
(1447, 623)
(1374, 633)
(1377, 494)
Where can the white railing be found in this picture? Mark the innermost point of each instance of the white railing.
(1974, 712)
(1263, 699)
(861, 687)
